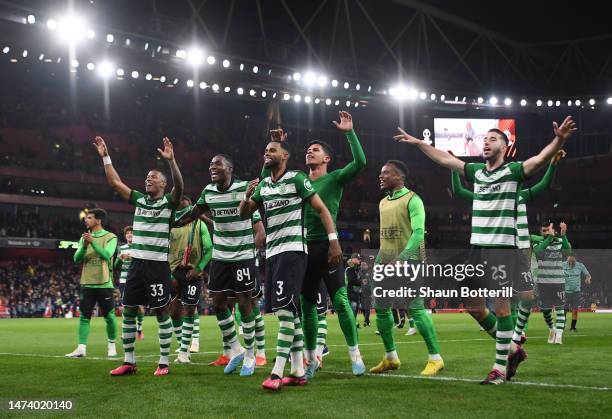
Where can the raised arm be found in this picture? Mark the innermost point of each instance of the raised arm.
(112, 177)
(335, 251)
(191, 215)
(562, 133)
(80, 252)
(441, 157)
(458, 188)
(348, 172)
(566, 247)
(546, 181)
(177, 179)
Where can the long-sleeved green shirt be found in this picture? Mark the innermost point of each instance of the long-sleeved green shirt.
(330, 188)
(105, 253)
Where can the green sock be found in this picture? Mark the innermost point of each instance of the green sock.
(310, 323)
(489, 324)
(196, 325)
(111, 326)
(321, 331)
(237, 315)
(426, 329)
(139, 320)
(260, 332)
(225, 321)
(384, 323)
(345, 317)
(177, 325)
(165, 338)
(502, 342)
(524, 309)
(548, 317)
(248, 330)
(83, 330)
(128, 335)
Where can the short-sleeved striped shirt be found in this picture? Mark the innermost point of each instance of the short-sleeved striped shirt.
(151, 226)
(494, 208)
(232, 237)
(550, 263)
(125, 263)
(284, 202)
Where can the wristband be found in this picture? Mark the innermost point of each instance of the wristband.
(107, 160)
(332, 236)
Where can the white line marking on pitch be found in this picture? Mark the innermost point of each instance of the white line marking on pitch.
(473, 380)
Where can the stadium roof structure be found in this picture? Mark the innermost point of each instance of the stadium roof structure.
(467, 48)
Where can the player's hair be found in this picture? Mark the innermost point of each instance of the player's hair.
(127, 229)
(284, 145)
(228, 159)
(162, 174)
(327, 149)
(399, 166)
(98, 213)
(186, 198)
(500, 132)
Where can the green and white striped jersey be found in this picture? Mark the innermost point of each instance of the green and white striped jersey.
(284, 202)
(494, 208)
(232, 237)
(125, 263)
(522, 224)
(151, 226)
(550, 263)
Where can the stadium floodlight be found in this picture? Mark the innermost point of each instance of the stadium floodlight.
(252, 92)
(317, 100)
(128, 42)
(346, 85)
(241, 67)
(550, 103)
(195, 56)
(148, 76)
(310, 78)
(413, 94)
(307, 99)
(215, 87)
(31, 19)
(146, 46)
(90, 34)
(274, 95)
(297, 76)
(592, 102)
(609, 101)
(120, 72)
(203, 85)
(74, 63)
(398, 92)
(334, 83)
(348, 103)
(110, 38)
(181, 53)
(226, 63)
(328, 101)
(6, 50)
(264, 93)
(493, 100)
(255, 69)
(432, 96)
(189, 83)
(211, 60)
(240, 90)
(558, 103)
(105, 69)
(71, 28)
(51, 24)
(357, 86)
(286, 96)
(538, 102)
(322, 81)
(578, 102)
(90, 66)
(507, 101)
(523, 102)
(337, 102)
(297, 98)
(369, 88)
(356, 104)
(175, 81)
(24, 54)
(227, 89)
(569, 103)
(162, 79)
(422, 95)
(41, 57)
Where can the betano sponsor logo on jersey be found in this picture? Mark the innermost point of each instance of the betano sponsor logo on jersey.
(270, 205)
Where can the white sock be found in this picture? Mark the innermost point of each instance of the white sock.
(236, 348)
(82, 348)
(163, 360)
(319, 352)
(129, 357)
(435, 357)
(279, 366)
(297, 363)
(311, 354)
(354, 353)
(392, 355)
(261, 352)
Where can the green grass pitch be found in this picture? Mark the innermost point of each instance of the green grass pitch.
(571, 380)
